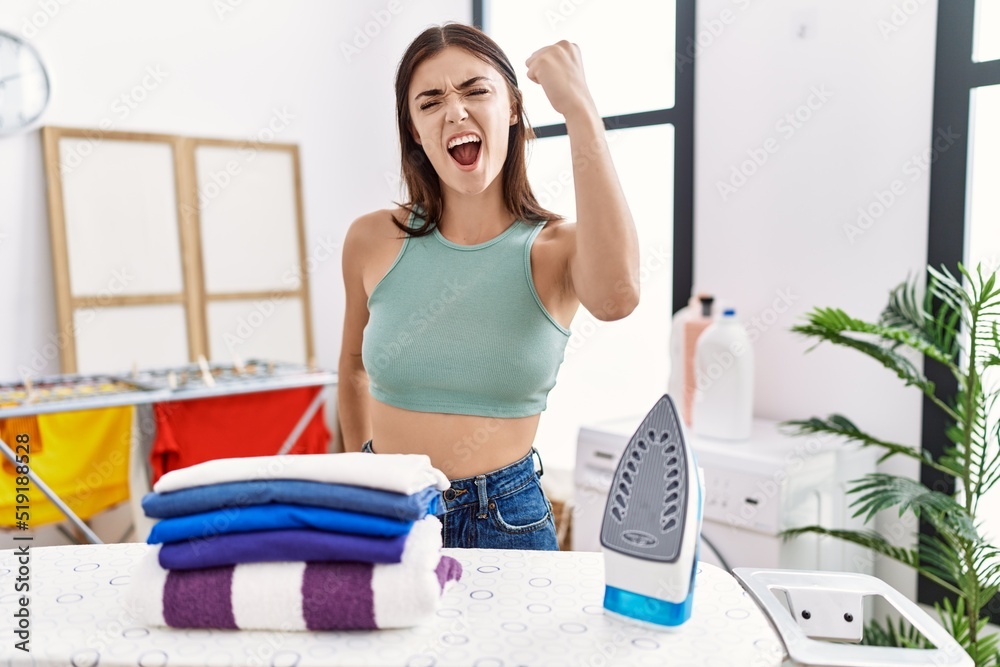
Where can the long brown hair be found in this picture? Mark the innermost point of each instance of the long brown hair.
(423, 186)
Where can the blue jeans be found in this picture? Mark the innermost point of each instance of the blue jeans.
(503, 509)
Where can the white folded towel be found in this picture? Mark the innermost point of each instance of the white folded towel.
(400, 473)
(297, 595)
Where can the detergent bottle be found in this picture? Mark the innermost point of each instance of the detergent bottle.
(694, 324)
(675, 385)
(723, 400)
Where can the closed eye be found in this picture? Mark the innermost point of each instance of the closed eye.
(431, 103)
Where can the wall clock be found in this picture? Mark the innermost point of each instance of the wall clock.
(24, 84)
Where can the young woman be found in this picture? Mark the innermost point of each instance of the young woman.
(459, 301)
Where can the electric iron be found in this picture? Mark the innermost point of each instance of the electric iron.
(652, 523)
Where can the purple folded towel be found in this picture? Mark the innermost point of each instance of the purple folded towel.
(280, 545)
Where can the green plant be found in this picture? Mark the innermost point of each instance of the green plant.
(953, 322)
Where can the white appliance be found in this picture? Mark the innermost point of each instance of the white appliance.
(753, 490)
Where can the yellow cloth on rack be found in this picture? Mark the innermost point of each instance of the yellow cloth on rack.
(82, 456)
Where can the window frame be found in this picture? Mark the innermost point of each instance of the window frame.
(956, 75)
(681, 116)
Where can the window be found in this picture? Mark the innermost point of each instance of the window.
(987, 27)
(646, 95)
(983, 234)
(616, 41)
(965, 203)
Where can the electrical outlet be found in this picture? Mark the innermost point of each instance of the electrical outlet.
(827, 614)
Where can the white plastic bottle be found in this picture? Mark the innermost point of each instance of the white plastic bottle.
(723, 402)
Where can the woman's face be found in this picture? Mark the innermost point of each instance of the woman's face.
(454, 96)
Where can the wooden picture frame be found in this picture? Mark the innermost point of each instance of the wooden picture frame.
(120, 198)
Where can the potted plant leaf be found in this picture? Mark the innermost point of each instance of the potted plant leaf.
(953, 321)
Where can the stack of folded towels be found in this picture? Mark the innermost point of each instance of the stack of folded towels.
(305, 542)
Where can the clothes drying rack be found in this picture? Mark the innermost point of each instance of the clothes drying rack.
(191, 382)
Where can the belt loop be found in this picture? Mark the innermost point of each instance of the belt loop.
(541, 468)
(481, 492)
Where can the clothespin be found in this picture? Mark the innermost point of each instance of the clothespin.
(206, 373)
(30, 388)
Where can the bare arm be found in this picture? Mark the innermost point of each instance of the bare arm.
(353, 400)
(604, 269)
(604, 260)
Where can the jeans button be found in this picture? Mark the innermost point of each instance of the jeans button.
(449, 494)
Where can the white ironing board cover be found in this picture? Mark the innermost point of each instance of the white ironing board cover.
(511, 608)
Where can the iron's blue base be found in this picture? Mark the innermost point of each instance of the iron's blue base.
(644, 608)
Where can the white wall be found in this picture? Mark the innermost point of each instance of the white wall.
(782, 232)
(221, 73)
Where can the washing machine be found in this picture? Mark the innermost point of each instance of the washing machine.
(753, 490)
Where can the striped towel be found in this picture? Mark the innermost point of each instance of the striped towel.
(299, 595)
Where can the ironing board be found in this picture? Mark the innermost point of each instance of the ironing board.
(153, 387)
(511, 608)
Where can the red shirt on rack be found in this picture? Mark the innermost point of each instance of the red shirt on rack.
(255, 424)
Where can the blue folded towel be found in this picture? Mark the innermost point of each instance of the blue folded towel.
(297, 492)
(275, 516)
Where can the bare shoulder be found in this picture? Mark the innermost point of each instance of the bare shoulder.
(558, 237)
(372, 234)
(372, 243)
(557, 230)
(552, 253)
(557, 241)
(377, 225)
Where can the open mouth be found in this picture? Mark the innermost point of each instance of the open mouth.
(465, 151)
